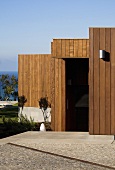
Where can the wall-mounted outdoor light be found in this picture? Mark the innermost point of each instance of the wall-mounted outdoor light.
(101, 53)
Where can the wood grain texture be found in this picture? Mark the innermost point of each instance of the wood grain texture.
(52, 92)
(34, 80)
(102, 83)
(63, 47)
(54, 53)
(60, 96)
(96, 81)
(20, 68)
(84, 48)
(67, 49)
(91, 83)
(107, 83)
(43, 75)
(112, 80)
(80, 48)
(87, 48)
(51, 47)
(56, 94)
(25, 77)
(23, 67)
(71, 48)
(63, 94)
(29, 80)
(59, 48)
(74, 48)
(49, 77)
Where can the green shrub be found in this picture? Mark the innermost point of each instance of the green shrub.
(22, 124)
(18, 125)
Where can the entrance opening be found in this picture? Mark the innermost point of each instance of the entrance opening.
(77, 94)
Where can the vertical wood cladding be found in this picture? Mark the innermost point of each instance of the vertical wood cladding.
(44, 75)
(58, 94)
(67, 48)
(60, 49)
(34, 77)
(102, 82)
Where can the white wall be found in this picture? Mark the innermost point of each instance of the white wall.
(35, 113)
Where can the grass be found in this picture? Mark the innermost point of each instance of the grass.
(11, 112)
(8, 113)
(9, 124)
(16, 104)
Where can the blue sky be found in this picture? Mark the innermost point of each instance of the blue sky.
(28, 26)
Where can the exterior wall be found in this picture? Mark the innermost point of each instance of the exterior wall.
(60, 50)
(58, 102)
(102, 82)
(66, 48)
(44, 75)
(34, 77)
(35, 113)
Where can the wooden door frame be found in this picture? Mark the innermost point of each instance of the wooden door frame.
(58, 93)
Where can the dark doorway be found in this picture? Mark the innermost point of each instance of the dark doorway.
(77, 94)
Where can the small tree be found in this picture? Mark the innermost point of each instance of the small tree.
(14, 85)
(15, 94)
(21, 101)
(9, 85)
(44, 104)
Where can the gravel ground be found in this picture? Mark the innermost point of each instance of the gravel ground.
(98, 153)
(13, 158)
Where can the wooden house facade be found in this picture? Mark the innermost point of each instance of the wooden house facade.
(79, 84)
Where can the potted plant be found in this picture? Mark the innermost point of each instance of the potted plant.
(21, 101)
(44, 104)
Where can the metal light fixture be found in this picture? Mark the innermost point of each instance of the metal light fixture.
(101, 53)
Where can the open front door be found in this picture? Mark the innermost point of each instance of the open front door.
(58, 103)
(77, 94)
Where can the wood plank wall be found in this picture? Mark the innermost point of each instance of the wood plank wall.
(34, 77)
(58, 94)
(102, 82)
(66, 48)
(60, 49)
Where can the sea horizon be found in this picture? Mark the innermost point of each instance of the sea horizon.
(8, 71)
(15, 73)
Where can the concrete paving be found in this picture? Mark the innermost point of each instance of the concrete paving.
(79, 149)
(58, 137)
